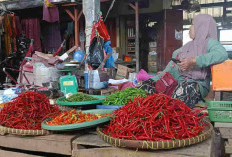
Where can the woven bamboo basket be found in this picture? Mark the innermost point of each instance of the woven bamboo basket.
(157, 145)
(6, 130)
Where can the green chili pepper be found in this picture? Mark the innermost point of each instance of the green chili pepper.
(79, 98)
(122, 97)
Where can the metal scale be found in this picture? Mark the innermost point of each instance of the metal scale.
(68, 83)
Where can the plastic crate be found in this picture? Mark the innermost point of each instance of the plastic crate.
(220, 111)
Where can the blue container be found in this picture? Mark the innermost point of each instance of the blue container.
(109, 106)
(86, 77)
(78, 55)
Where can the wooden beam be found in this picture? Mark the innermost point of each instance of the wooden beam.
(76, 27)
(70, 14)
(79, 16)
(104, 0)
(132, 6)
(69, 4)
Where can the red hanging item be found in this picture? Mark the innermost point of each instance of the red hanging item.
(100, 28)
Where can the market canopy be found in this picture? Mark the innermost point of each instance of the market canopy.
(24, 4)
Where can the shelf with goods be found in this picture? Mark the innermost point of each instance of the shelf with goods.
(130, 37)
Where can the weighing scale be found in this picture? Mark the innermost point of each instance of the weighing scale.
(68, 83)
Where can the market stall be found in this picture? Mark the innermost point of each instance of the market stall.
(65, 101)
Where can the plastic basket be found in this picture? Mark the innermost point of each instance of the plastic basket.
(220, 111)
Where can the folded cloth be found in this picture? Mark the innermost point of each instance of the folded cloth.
(117, 82)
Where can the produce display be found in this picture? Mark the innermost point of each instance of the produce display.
(27, 111)
(79, 98)
(122, 97)
(155, 118)
(73, 117)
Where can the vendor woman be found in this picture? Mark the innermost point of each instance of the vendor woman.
(193, 73)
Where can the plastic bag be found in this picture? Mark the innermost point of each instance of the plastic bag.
(96, 55)
(10, 94)
(95, 82)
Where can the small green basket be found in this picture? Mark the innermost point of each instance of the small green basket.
(220, 111)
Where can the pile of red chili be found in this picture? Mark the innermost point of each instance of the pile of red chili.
(155, 118)
(27, 111)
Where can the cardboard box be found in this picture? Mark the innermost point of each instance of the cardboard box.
(123, 72)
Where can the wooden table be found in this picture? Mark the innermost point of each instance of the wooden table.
(226, 134)
(56, 143)
(90, 145)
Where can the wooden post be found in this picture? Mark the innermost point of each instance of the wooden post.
(137, 35)
(75, 17)
(76, 27)
(136, 8)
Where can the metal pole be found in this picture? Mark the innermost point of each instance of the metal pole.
(137, 35)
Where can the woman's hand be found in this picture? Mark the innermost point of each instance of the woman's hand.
(158, 72)
(187, 64)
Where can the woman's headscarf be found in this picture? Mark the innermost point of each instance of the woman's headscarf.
(205, 28)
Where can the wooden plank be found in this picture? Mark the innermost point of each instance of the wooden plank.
(90, 140)
(226, 133)
(230, 141)
(218, 96)
(70, 14)
(228, 148)
(115, 152)
(4, 153)
(223, 125)
(56, 143)
(203, 149)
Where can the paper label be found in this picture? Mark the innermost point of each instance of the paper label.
(68, 83)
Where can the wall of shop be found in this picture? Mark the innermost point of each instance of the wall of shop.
(121, 13)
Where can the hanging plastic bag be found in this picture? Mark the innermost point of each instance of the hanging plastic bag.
(96, 55)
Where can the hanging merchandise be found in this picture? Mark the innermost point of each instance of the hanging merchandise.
(7, 28)
(50, 12)
(96, 55)
(31, 28)
(99, 28)
(12, 29)
(96, 50)
(51, 36)
(1, 33)
(18, 25)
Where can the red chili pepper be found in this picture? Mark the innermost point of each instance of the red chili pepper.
(27, 111)
(156, 117)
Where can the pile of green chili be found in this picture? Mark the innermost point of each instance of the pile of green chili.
(79, 98)
(122, 97)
